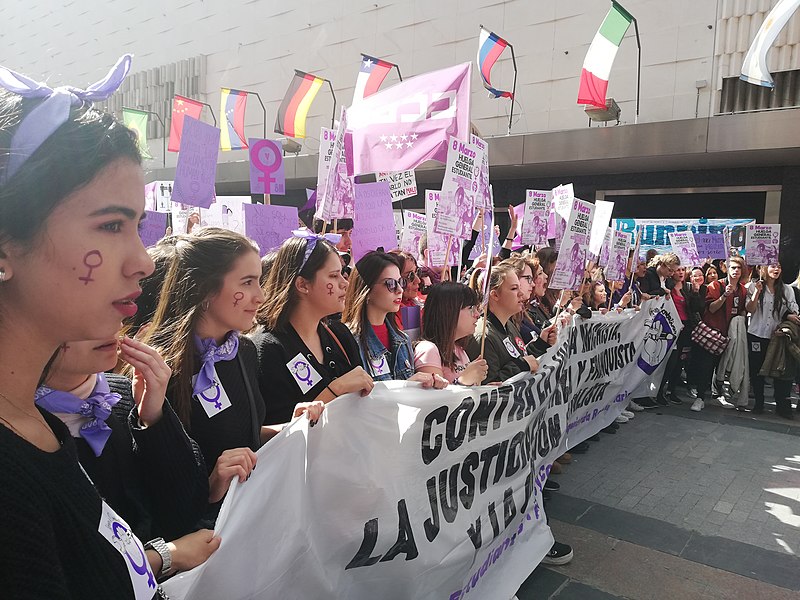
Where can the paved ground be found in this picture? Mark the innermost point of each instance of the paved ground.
(680, 505)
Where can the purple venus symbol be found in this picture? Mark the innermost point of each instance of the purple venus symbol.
(266, 160)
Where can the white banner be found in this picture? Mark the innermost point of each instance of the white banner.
(429, 494)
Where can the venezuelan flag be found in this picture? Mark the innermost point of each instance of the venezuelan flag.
(233, 103)
(293, 111)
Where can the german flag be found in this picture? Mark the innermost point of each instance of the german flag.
(292, 114)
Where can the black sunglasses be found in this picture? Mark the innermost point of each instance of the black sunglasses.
(393, 284)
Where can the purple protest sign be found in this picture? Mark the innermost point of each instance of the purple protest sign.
(373, 223)
(438, 243)
(269, 225)
(762, 244)
(266, 167)
(197, 164)
(485, 238)
(153, 227)
(710, 245)
(534, 220)
(619, 248)
(572, 254)
(683, 245)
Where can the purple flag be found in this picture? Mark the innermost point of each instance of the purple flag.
(266, 167)
(399, 128)
(268, 225)
(373, 225)
(197, 164)
(153, 228)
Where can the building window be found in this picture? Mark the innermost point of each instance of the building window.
(740, 96)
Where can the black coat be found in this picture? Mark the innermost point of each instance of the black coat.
(651, 283)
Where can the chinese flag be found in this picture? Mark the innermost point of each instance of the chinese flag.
(181, 107)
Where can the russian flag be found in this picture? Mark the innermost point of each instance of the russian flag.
(370, 76)
(490, 47)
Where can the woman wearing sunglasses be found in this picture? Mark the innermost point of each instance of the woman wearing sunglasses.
(374, 295)
(412, 283)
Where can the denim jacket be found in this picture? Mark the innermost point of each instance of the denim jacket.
(400, 356)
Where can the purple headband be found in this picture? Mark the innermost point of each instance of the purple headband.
(311, 239)
(54, 109)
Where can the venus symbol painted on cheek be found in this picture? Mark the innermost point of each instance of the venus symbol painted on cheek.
(95, 262)
(238, 297)
(330, 289)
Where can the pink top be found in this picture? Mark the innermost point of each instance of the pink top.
(680, 306)
(426, 354)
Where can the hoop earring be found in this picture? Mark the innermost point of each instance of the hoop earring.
(2, 275)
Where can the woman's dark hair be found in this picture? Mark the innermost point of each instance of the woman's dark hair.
(279, 289)
(162, 254)
(779, 299)
(362, 279)
(196, 274)
(69, 159)
(440, 317)
(547, 259)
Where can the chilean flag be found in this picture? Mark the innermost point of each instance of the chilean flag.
(490, 47)
(370, 77)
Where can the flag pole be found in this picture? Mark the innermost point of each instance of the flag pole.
(638, 58)
(163, 127)
(211, 110)
(333, 114)
(398, 72)
(263, 108)
(514, 87)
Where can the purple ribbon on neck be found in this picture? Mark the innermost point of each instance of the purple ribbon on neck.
(311, 239)
(211, 353)
(54, 109)
(97, 408)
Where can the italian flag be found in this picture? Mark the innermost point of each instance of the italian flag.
(600, 58)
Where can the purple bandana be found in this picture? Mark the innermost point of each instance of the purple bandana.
(54, 110)
(311, 239)
(96, 408)
(211, 353)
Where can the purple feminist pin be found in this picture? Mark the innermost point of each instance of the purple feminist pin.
(215, 400)
(301, 366)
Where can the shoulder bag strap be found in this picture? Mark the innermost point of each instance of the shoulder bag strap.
(252, 399)
(338, 343)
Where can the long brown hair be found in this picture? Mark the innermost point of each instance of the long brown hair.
(279, 290)
(364, 276)
(440, 317)
(196, 274)
(779, 298)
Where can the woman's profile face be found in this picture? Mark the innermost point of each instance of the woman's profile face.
(81, 276)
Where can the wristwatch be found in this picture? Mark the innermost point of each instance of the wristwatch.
(160, 546)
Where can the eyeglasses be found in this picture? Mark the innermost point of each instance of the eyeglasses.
(393, 284)
(411, 276)
(528, 278)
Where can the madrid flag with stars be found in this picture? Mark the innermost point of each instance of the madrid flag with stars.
(399, 128)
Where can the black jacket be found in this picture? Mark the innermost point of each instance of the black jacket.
(651, 283)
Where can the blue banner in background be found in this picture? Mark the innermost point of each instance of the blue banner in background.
(655, 232)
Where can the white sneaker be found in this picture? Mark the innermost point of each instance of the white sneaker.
(698, 405)
(692, 392)
(635, 407)
(724, 402)
(621, 419)
(628, 414)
